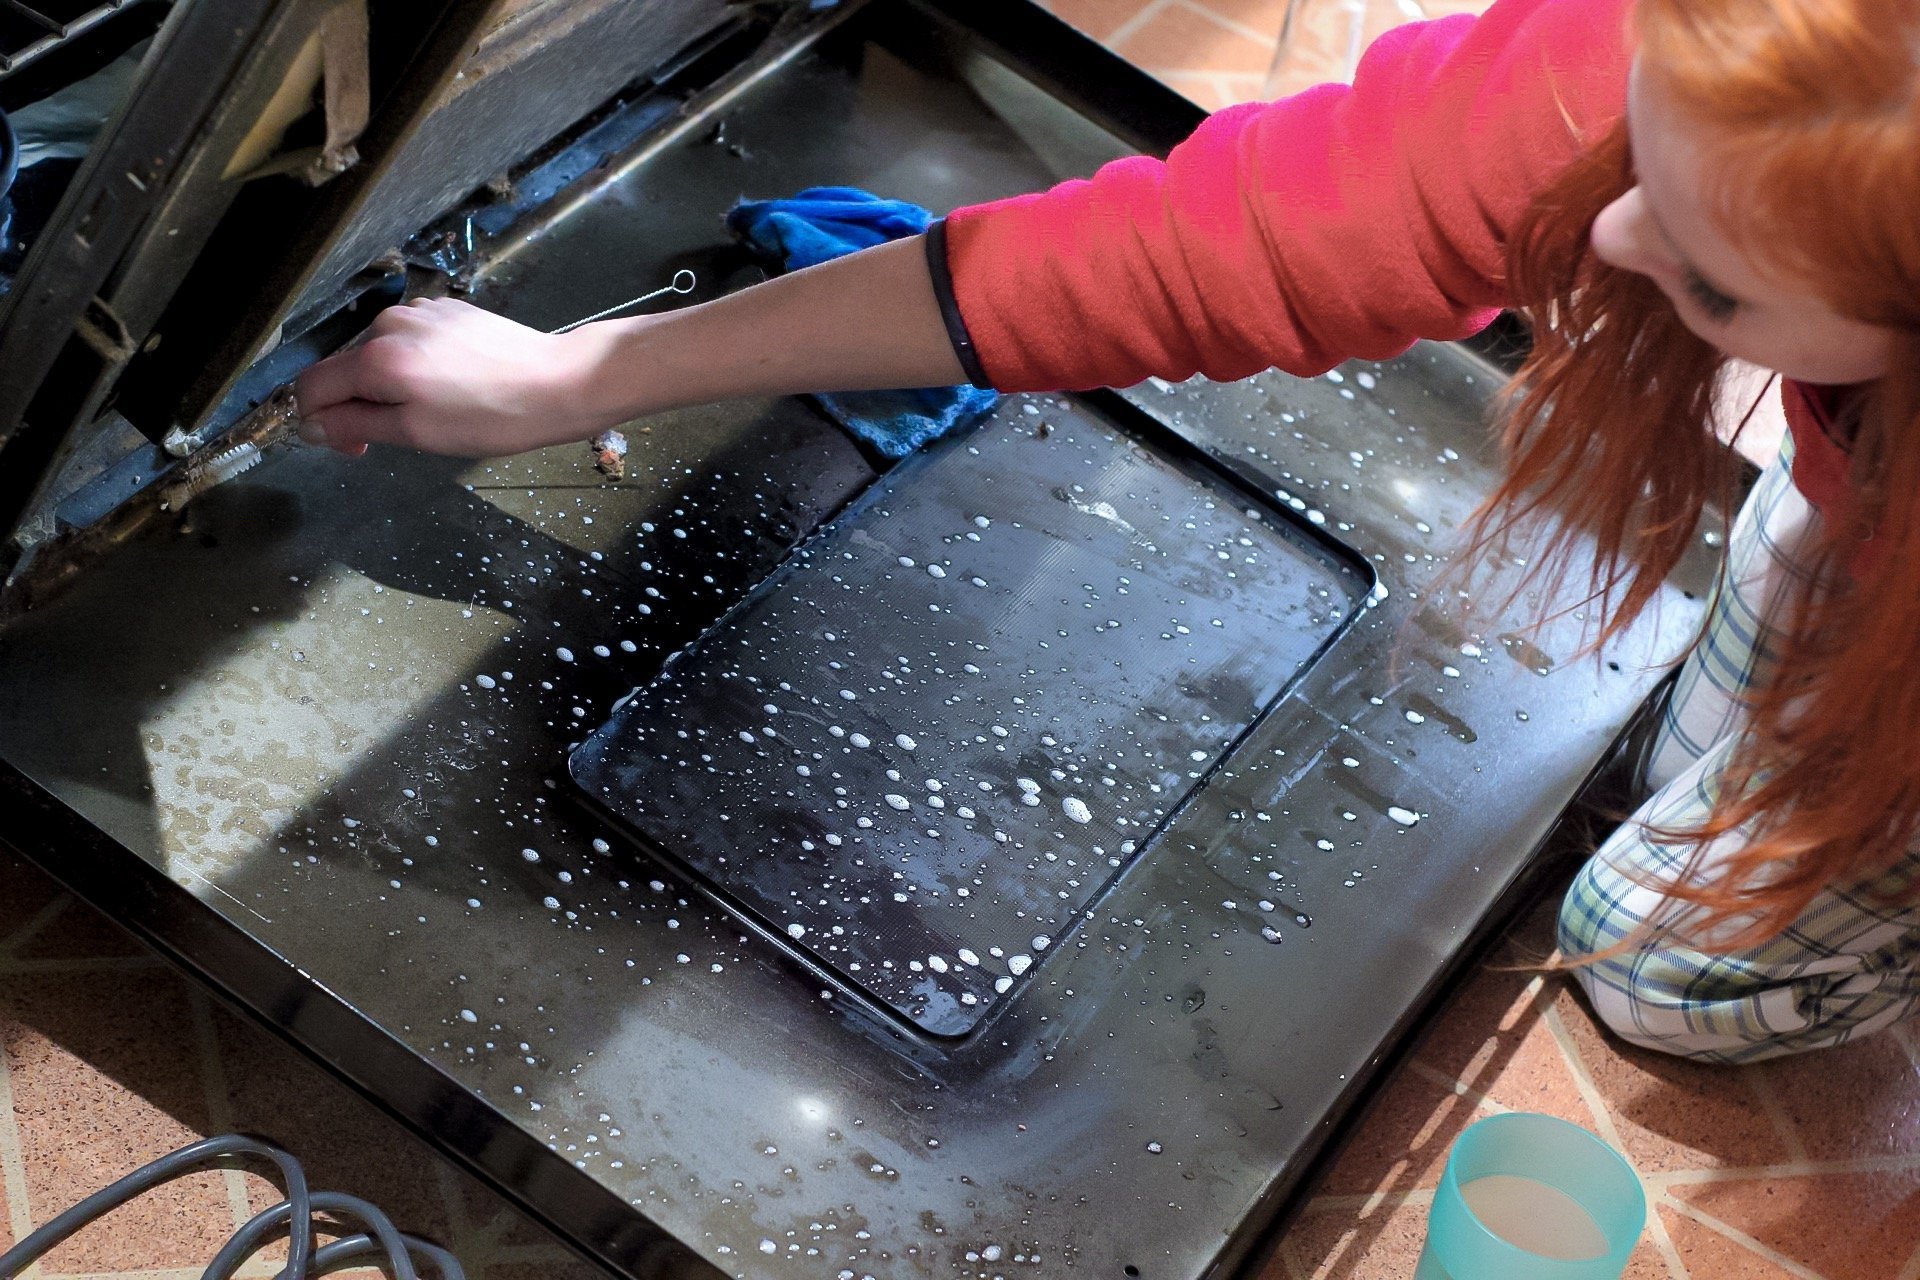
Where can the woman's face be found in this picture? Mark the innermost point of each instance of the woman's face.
(1662, 229)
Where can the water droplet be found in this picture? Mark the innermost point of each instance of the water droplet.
(898, 801)
(1405, 817)
(1076, 809)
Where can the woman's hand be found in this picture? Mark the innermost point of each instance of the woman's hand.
(443, 376)
(447, 377)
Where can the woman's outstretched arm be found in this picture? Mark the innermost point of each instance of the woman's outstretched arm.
(447, 377)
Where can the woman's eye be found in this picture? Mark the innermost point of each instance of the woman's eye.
(1716, 304)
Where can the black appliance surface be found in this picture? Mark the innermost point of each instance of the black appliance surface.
(925, 745)
(312, 747)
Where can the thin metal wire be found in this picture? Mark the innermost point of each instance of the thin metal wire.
(683, 282)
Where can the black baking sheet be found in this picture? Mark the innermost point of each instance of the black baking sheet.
(926, 744)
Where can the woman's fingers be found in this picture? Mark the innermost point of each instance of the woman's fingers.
(446, 377)
(343, 376)
(351, 425)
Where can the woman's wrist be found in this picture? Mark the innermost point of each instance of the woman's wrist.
(598, 375)
(868, 320)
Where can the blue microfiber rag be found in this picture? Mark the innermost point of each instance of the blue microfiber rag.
(826, 222)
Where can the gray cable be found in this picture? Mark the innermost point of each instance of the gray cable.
(380, 1242)
(189, 1159)
(341, 1254)
(396, 1259)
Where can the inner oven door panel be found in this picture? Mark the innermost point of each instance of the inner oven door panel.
(314, 746)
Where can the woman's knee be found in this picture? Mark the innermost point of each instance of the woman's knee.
(1657, 993)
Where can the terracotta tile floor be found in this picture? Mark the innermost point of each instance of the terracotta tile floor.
(1806, 1169)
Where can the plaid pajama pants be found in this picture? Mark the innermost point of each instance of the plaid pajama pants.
(1848, 966)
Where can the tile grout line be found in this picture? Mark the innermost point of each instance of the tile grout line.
(1309, 1268)
(40, 919)
(1761, 1087)
(13, 1166)
(1220, 86)
(458, 1226)
(1361, 1206)
(1912, 1270)
(1125, 31)
(1367, 1202)
(1801, 1169)
(1532, 995)
(1603, 1117)
(1459, 1088)
(213, 1080)
(1289, 1269)
(1746, 1241)
(1268, 38)
(486, 1236)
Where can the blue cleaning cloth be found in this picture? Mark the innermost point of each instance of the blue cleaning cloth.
(825, 222)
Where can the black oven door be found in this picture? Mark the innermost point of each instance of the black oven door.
(1173, 808)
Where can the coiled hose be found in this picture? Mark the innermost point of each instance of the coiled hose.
(379, 1243)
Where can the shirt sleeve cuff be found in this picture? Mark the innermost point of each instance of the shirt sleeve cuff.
(950, 309)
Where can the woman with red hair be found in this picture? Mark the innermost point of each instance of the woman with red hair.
(1662, 187)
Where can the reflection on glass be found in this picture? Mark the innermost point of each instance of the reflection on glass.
(1322, 40)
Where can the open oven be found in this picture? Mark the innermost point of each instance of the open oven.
(1019, 860)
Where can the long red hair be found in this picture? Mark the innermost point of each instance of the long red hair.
(1813, 109)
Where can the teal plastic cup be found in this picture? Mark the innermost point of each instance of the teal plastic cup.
(1531, 1197)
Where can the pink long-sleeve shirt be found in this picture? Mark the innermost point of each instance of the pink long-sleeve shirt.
(1343, 222)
